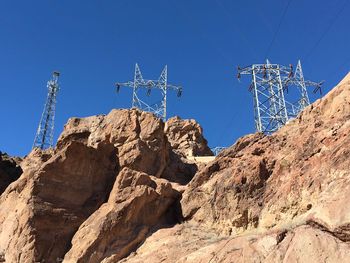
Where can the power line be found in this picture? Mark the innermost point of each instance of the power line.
(335, 18)
(338, 68)
(236, 27)
(278, 28)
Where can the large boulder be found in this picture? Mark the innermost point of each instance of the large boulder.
(136, 203)
(138, 137)
(186, 137)
(40, 212)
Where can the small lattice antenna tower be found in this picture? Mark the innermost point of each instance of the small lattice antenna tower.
(159, 108)
(44, 135)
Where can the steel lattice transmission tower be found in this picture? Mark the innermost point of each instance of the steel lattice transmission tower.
(158, 108)
(44, 135)
(298, 81)
(270, 86)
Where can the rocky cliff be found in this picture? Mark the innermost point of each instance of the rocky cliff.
(119, 188)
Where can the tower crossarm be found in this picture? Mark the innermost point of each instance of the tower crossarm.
(147, 84)
(178, 89)
(264, 69)
(304, 83)
(308, 83)
(125, 84)
(158, 108)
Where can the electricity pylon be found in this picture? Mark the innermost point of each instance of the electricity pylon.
(269, 104)
(298, 81)
(269, 85)
(158, 108)
(44, 135)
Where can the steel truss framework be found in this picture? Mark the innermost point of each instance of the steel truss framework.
(159, 108)
(270, 85)
(44, 135)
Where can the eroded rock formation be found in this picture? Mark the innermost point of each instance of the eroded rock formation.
(278, 198)
(119, 188)
(104, 179)
(136, 203)
(40, 212)
(186, 137)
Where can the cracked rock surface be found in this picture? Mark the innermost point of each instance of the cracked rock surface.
(278, 198)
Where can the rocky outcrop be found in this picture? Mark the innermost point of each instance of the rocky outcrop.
(186, 137)
(10, 170)
(278, 198)
(299, 173)
(137, 203)
(189, 243)
(101, 184)
(40, 212)
(137, 136)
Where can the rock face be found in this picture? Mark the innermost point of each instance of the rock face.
(190, 243)
(186, 137)
(300, 173)
(137, 136)
(41, 211)
(10, 170)
(97, 194)
(118, 188)
(136, 203)
(278, 198)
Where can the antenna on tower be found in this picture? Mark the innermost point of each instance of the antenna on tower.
(269, 85)
(44, 135)
(158, 108)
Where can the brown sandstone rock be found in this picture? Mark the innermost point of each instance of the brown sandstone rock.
(136, 203)
(137, 135)
(278, 198)
(300, 172)
(186, 137)
(190, 243)
(60, 188)
(33, 161)
(40, 212)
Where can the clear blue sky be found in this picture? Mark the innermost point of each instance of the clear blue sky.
(96, 43)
